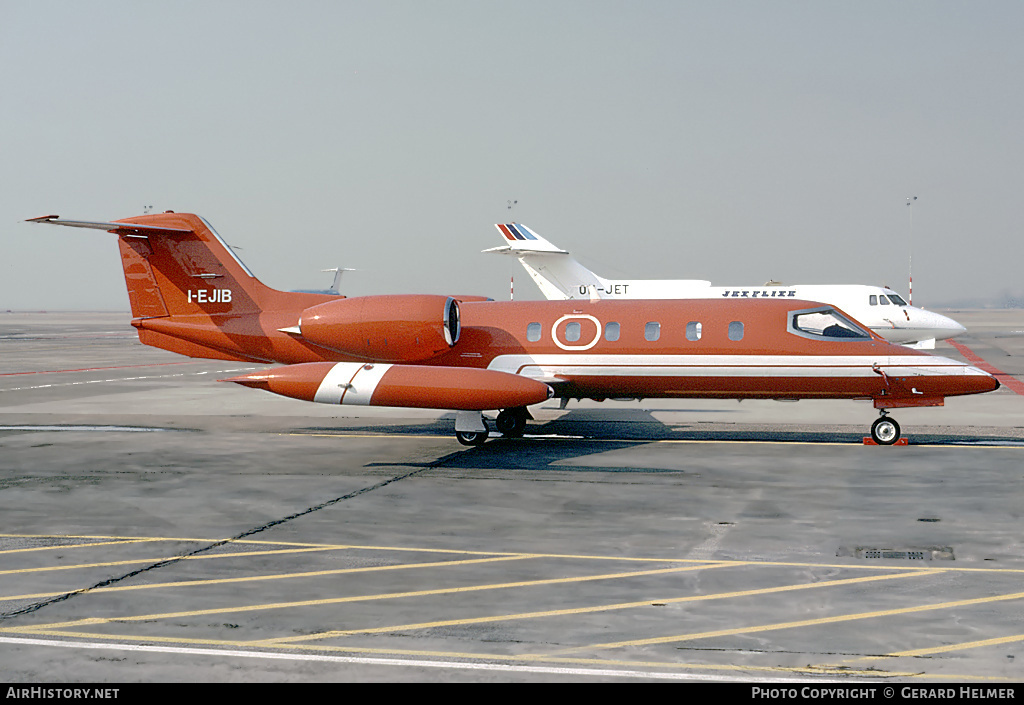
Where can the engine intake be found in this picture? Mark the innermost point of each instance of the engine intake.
(393, 328)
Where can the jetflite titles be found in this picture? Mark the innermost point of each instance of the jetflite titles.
(759, 293)
(207, 296)
(623, 289)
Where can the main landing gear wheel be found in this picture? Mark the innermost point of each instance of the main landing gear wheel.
(885, 431)
(511, 423)
(471, 438)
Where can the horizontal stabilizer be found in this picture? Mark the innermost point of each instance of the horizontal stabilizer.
(522, 241)
(127, 229)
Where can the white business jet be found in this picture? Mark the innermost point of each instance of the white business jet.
(560, 276)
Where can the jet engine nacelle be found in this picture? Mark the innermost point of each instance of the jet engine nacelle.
(393, 328)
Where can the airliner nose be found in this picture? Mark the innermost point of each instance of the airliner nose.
(938, 326)
(949, 327)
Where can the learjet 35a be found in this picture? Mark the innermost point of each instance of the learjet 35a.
(190, 294)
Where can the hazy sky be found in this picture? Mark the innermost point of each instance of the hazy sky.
(730, 141)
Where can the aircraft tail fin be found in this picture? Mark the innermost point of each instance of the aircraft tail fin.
(553, 270)
(338, 271)
(175, 264)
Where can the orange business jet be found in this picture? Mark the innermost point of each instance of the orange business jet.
(190, 294)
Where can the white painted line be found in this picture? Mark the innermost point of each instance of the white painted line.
(123, 379)
(416, 663)
(134, 429)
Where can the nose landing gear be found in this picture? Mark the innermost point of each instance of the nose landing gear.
(885, 431)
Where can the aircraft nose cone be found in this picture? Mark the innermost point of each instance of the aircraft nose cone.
(944, 326)
(981, 381)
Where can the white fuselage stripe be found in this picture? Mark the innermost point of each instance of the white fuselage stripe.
(728, 365)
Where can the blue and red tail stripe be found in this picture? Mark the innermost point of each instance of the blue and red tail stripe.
(515, 232)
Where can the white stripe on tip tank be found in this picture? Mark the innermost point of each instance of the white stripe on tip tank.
(350, 383)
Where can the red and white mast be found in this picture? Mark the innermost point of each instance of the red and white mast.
(910, 283)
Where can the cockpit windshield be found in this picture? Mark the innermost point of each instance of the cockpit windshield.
(825, 324)
(897, 300)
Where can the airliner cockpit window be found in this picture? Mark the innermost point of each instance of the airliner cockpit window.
(826, 323)
(898, 300)
(883, 300)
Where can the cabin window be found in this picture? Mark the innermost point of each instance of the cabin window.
(572, 331)
(825, 323)
(611, 332)
(736, 330)
(693, 330)
(533, 332)
(898, 300)
(652, 331)
(873, 300)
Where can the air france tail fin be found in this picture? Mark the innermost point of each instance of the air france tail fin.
(553, 270)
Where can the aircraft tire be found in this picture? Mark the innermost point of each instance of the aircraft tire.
(471, 438)
(885, 431)
(511, 423)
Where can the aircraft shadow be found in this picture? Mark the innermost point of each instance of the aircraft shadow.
(534, 454)
(574, 435)
(585, 432)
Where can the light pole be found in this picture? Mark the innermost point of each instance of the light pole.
(910, 283)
